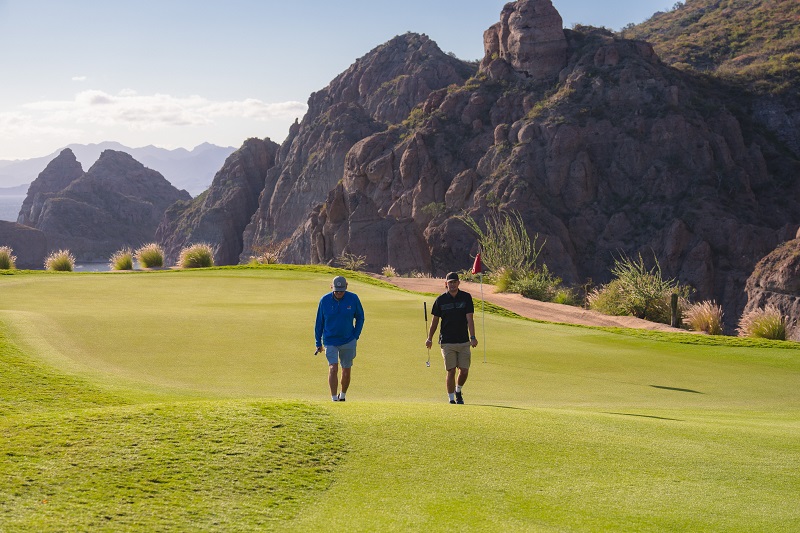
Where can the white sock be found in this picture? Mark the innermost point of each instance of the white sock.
(458, 388)
(341, 395)
(451, 395)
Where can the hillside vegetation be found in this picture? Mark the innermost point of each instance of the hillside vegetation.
(754, 41)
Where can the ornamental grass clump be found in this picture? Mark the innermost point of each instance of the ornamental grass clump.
(389, 271)
(7, 260)
(704, 316)
(121, 260)
(150, 256)
(196, 256)
(767, 323)
(60, 261)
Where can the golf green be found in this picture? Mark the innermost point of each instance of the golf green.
(566, 428)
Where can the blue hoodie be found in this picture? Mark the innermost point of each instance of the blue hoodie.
(335, 319)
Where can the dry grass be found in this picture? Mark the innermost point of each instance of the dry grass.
(767, 323)
(705, 316)
(7, 258)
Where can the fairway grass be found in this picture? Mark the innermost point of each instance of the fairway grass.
(191, 401)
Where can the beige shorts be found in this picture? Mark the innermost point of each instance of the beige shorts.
(456, 355)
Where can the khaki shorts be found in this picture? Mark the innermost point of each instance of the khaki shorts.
(456, 355)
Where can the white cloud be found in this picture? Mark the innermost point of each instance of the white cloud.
(79, 78)
(156, 111)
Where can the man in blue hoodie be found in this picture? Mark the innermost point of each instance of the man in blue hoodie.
(340, 319)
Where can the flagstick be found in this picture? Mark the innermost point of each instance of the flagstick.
(483, 317)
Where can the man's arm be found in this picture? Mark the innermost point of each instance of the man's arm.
(359, 316)
(473, 340)
(319, 325)
(432, 330)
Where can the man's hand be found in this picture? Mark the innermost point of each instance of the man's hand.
(428, 343)
(317, 350)
(473, 341)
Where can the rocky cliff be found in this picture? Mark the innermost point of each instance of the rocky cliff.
(379, 90)
(219, 216)
(116, 203)
(616, 154)
(776, 281)
(56, 177)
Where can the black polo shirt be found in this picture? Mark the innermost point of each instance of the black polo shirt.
(453, 310)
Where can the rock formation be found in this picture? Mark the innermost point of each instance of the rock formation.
(776, 281)
(620, 154)
(377, 91)
(219, 216)
(117, 203)
(530, 38)
(56, 177)
(29, 244)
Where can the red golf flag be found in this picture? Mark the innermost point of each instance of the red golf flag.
(477, 267)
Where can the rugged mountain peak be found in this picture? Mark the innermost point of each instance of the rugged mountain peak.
(379, 90)
(530, 37)
(57, 176)
(220, 215)
(117, 203)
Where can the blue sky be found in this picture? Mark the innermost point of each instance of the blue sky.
(176, 73)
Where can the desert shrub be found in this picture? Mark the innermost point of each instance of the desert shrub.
(264, 258)
(565, 296)
(389, 271)
(196, 256)
(537, 284)
(350, 261)
(503, 278)
(7, 260)
(121, 260)
(60, 261)
(150, 256)
(767, 323)
(637, 291)
(704, 316)
(505, 243)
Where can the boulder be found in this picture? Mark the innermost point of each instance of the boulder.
(776, 281)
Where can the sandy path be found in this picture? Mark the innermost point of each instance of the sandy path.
(526, 307)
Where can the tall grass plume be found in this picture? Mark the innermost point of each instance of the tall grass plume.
(60, 261)
(704, 316)
(150, 256)
(7, 260)
(766, 323)
(196, 256)
(121, 260)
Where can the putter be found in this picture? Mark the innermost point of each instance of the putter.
(425, 309)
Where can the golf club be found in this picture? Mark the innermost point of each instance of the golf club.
(425, 309)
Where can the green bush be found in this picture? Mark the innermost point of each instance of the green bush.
(121, 260)
(767, 323)
(389, 271)
(505, 243)
(196, 256)
(637, 291)
(7, 259)
(60, 261)
(150, 256)
(704, 316)
(537, 284)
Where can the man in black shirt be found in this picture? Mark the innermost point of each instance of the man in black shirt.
(455, 309)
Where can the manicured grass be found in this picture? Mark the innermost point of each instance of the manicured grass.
(566, 428)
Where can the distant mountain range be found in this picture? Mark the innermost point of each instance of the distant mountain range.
(190, 170)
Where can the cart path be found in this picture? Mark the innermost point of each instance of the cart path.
(548, 311)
